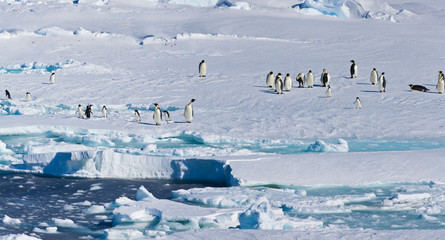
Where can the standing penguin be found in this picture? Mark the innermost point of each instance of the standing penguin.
(8, 95)
(28, 97)
(167, 116)
(52, 78)
(382, 83)
(328, 92)
(157, 115)
(357, 103)
(279, 86)
(310, 79)
(276, 81)
(79, 111)
(353, 69)
(88, 111)
(188, 111)
(202, 69)
(137, 116)
(301, 79)
(287, 83)
(440, 84)
(324, 78)
(104, 111)
(439, 77)
(374, 76)
(270, 80)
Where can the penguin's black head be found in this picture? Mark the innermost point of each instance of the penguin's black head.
(440, 71)
(383, 73)
(192, 100)
(411, 86)
(271, 72)
(288, 75)
(352, 61)
(28, 93)
(155, 104)
(202, 61)
(374, 69)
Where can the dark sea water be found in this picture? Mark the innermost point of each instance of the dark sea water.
(38, 200)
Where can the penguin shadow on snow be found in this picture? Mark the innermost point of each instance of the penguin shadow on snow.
(146, 123)
(370, 91)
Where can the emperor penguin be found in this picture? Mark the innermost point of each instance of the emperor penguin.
(79, 111)
(374, 76)
(52, 78)
(278, 77)
(439, 76)
(310, 79)
(8, 95)
(104, 111)
(440, 84)
(353, 69)
(382, 83)
(202, 68)
(324, 78)
(301, 79)
(28, 97)
(88, 111)
(270, 80)
(275, 82)
(328, 92)
(188, 111)
(137, 116)
(357, 103)
(279, 86)
(418, 88)
(157, 115)
(166, 115)
(287, 83)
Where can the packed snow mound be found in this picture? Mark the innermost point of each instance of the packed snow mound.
(376, 9)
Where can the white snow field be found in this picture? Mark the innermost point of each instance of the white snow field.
(296, 165)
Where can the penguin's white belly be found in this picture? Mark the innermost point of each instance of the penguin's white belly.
(373, 78)
(310, 80)
(287, 83)
(188, 113)
(202, 69)
(270, 80)
(440, 86)
(157, 117)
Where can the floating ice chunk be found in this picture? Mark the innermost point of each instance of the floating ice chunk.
(132, 214)
(4, 149)
(95, 187)
(18, 237)
(11, 221)
(400, 197)
(46, 230)
(123, 234)
(143, 193)
(95, 209)
(84, 203)
(67, 223)
(322, 146)
(259, 216)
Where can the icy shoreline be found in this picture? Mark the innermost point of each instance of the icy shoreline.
(362, 168)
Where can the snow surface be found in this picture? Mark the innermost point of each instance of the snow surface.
(130, 55)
